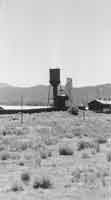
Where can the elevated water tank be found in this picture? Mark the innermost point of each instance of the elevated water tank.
(55, 77)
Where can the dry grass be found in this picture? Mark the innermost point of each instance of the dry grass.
(76, 175)
(46, 145)
(90, 177)
(13, 131)
(83, 144)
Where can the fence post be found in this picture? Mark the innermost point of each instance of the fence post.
(21, 109)
(84, 114)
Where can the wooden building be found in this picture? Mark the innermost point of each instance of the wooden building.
(100, 105)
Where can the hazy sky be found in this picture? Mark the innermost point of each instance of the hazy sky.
(38, 34)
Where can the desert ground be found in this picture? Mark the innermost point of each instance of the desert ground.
(55, 155)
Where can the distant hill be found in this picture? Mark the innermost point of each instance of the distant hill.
(11, 95)
(38, 95)
(4, 85)
(83, 95)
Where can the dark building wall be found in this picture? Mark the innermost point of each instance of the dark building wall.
(94, 105)
(98, 106)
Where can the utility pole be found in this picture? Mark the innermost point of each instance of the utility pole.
(48, 95)
(84, 115)
(21, 109)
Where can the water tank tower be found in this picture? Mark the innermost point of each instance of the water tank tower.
(55, 81)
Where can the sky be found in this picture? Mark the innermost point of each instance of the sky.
(36, 35)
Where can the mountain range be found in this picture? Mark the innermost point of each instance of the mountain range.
(38, 95)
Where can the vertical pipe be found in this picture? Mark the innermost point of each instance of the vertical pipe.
(48, 95)
(55, 95)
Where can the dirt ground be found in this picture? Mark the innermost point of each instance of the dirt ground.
(55, 156)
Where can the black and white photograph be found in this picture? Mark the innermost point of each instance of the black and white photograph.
(55, 100)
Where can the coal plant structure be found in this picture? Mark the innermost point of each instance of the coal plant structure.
(58, 99)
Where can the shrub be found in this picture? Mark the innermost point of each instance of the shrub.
(66, 150)
(84, 144)
(69, 135)
(88, 177)
(97, 147)
(73, 110)
(5, 156)
(45, 184)
(13, 156)
(76, 175)
(16, 187)
(25, 177)
(19, 132)
(108, 156)
(102, 172)
(45, 153)
(24, 146)
(42, 182)
(85, 155)
(50, 140)
(13, 131)
(14, 118)
(101, 140)
(21, 163)
(9, 131)
(2, 147)
(103, 182)
(6, 132)
(77, 132)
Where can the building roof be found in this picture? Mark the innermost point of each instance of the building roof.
(104, 101)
